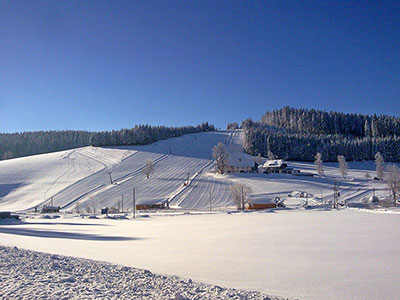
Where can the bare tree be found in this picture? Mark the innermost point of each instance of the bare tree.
(93, 206)
(149, 168)
(367, 175)
(271, 156)
(380, 165)
(220, 155)
(343, 166)
(240, 192)
(259, 159)
(393, 181)
(78, 207)
(318, 164)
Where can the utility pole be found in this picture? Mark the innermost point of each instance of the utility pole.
(336, 195)
(122, 202)
(210, 199)
(134, 204)
(242, 199)
(170, 151)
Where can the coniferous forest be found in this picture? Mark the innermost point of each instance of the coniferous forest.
(298, 134)
(29, 143)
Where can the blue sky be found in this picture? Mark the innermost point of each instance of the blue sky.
(102, 65)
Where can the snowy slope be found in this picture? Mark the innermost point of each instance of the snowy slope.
(28, 181)
(82, 176)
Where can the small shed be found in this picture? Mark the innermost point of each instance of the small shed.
(8, 215)
(50, 209)
(262, 201)
(152, 204)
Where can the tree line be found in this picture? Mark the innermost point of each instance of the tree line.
(29, 143)
(298, 134)
(321, 122)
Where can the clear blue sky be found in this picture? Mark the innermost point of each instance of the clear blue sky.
(101, 65)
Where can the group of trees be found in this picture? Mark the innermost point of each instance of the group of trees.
(28, 143)
(144, 134)
(321, 122)
(298, 134)
(391, 174)
(303, 147)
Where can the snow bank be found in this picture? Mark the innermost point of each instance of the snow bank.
(33, 275)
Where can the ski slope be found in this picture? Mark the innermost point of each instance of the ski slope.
(81, 177)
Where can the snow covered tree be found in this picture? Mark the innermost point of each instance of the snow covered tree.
(343, 166)
(380, 165)
(221, 156)
(149, 168)
(240, 193)
(271, 155)
(374, 126)
(259, 159)
(318, 164)
(393, 181)
(231, 126)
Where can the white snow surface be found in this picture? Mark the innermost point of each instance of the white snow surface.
(34, 275)
(305, 254)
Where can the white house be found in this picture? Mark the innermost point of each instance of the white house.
(240, 163)
(276, 166)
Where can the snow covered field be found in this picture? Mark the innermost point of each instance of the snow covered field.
(33, 275)
(305, 254)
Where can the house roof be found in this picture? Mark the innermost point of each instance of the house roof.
(262, 199)
(240, 160)
(273, 163)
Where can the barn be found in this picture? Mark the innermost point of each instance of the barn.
(263, 201)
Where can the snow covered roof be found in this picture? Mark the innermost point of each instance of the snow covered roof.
(273, 163)
(240, 160)
(262, 199)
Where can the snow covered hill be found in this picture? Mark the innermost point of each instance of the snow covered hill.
(83, 174)
(105, 175)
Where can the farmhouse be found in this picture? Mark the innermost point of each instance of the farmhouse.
(276, 166)
(240, 163)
